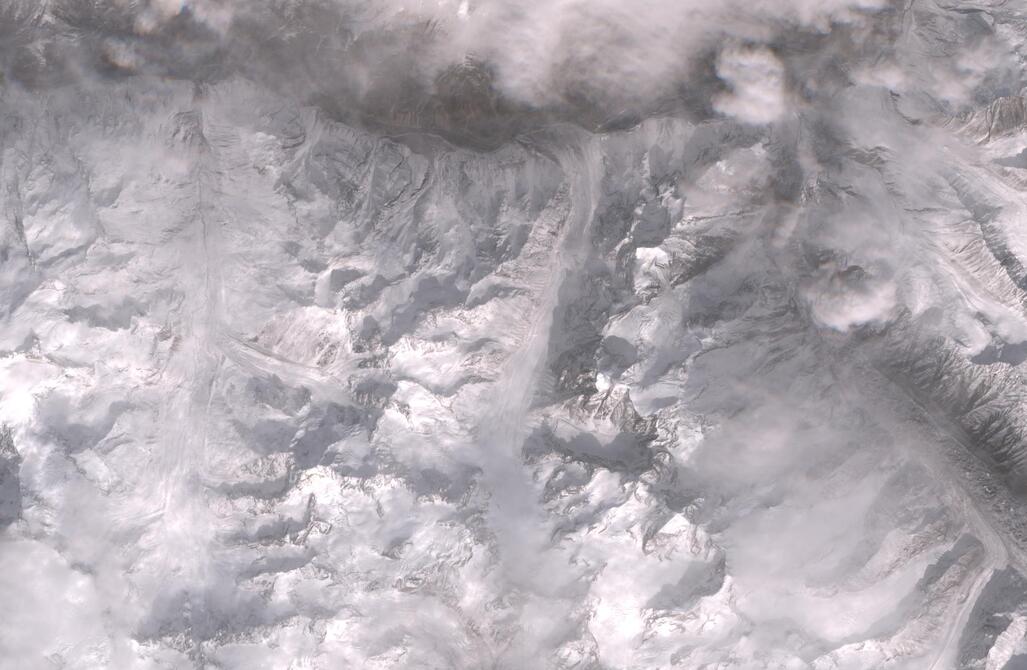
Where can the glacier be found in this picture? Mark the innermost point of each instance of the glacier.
(513, 335)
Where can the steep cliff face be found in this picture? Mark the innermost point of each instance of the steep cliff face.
(380, 352)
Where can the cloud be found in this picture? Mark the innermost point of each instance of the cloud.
(757, 81)
(597, 59)
(843, 299)
(626, 444)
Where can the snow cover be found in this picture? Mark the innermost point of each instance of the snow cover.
(513, 335)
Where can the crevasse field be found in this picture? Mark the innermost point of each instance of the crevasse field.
(513, 334)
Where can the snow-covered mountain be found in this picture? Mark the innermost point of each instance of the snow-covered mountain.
(513, 335)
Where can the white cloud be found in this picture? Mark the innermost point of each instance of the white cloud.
(757, 81)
